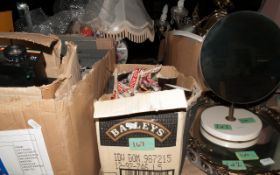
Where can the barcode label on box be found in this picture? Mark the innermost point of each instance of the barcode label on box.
(146, 172)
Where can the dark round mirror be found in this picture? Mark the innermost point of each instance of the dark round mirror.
(240, 57)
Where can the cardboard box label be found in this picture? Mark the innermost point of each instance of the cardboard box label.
(140, 151)
(163, 127)
(24, 152)
(223, 127)
(149, 161)
(267, 161)
(247, 155)
(247, 120)
(235, 164)
(142, 144)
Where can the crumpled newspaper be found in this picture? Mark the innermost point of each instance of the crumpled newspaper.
(137, 81)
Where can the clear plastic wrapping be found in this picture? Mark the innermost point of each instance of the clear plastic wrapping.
(58, 23)
(62, 5)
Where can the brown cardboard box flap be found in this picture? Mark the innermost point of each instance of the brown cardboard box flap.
(183, 52)
(70, 70)
(65, 73)
(141, 102)
(45, 40)
(104, 43)
(52, 116)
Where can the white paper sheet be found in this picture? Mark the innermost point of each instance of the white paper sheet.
(23, 152)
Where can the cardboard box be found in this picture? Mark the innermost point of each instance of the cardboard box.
(182, 50)
(143, 133)
(55, 120)
(63, 73)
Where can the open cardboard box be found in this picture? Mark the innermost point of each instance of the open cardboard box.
(143, 133)
(62, 72)
(49, 129)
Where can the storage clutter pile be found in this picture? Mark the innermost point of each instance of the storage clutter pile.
(67, 125)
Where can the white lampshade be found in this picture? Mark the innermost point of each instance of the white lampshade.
(121, 19)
